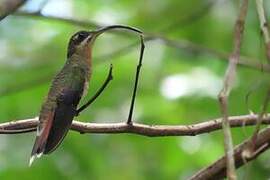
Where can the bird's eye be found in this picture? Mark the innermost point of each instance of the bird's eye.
(80, 37)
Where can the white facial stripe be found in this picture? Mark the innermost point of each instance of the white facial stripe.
(85, 40)
(76, 37)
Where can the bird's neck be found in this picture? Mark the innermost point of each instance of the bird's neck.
(81, 60)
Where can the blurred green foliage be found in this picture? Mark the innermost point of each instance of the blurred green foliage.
(34, 49)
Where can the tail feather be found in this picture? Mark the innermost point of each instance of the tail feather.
(55, 124)
(33, 157)
(41, 138)
(63, 119)
(38, 148)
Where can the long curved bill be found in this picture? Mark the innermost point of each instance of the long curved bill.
(96, 33)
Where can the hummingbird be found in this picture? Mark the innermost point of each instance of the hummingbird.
(66, 91)
(68, 87)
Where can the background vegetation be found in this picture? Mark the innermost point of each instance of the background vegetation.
(178, 86)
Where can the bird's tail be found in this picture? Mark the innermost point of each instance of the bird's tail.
(53, 128)
(43, 131)
(38, 148)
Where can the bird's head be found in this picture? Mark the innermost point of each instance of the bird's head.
(82, 41)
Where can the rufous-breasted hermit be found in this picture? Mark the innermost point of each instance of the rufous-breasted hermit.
(68, 87)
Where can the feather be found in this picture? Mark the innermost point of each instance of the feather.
(41, 139)
(64, 114)
(59, 110)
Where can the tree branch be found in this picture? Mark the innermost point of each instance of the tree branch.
(264, 27)
(177, 44)
(217, 170)
(228, 83)
(265, 32)
(9, 6)
(28, 125)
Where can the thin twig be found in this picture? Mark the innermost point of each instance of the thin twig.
(225, 92)
(265, 32)
(101, 89)
(217, 170)
(129, 121)
(260, 118)
(264, 27)
(27, 125)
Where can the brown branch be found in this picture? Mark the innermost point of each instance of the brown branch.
(264, 27)
(9, 6)
(259, 122)
(225, 92)
(177, 44)
(27, 125)
(265, 32)
(217, 170)
(214, 171)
